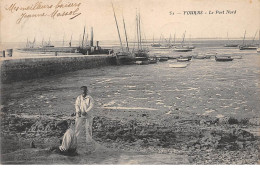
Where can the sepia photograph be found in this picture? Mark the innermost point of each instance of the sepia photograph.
(129, 82)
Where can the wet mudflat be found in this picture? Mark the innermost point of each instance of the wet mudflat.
(207, 113)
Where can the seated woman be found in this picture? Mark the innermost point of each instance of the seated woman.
(69, 142)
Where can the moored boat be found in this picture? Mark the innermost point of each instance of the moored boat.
(223, 58)
(183, 60)
(162, 59)
(124, 58)
(248, 47)
(152, 60)
(182, 49)
(251, 46)
(156, 45)
(184, 65)
(185, 57)
(231, 45)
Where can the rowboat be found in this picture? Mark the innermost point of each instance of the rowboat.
(185, 57)
(223, 58)
(248, 47)
(183, 60)
(182, 49)
(178, 65)
(162, 59)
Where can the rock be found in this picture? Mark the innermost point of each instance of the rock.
(254, 121)
(243, 135)
(202, 122)
(223, 120)
(143, 115)
(240, 144)
(32, 145)
(232, 120)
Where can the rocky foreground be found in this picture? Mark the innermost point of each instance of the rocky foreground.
(202, 139)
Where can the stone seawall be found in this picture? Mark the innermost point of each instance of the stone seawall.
(29, 68)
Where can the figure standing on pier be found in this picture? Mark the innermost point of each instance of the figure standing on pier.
(84, 103)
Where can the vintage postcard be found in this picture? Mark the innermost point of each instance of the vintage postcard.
(130, 82)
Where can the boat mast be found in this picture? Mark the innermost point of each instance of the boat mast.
(174, 38)
(137, 31)
(27, 43)
(92, 37)
(139, 21)
(70, 40)
(83, 36)
(254, 37)
(183, 37)
(33, 41)
(49, 40)
(87, 39)
(127, 47)
(117, 28)
(244, 37)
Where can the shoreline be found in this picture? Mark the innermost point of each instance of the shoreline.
(21, 69)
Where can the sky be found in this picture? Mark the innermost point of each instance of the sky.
(155, 19)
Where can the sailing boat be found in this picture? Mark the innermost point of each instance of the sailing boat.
(48, 45)
(182, 48)
(248, 46)
(166, 45)
(230, 44)
(191, 46)
(141, 54)
(84, 49)
(122, 57)
(155, 44)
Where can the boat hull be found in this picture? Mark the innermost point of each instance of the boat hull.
(182, 50)
(124, 59)
(223, 59)
(248, 47)
(183, 60)
(231, 45)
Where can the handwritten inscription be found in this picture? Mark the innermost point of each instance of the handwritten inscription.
(41, 9)
(210, 12)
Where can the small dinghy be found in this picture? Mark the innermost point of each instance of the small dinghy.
(223, 58)
(178, 65)
(183, 60)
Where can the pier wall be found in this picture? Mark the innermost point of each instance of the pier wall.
(29, 68)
